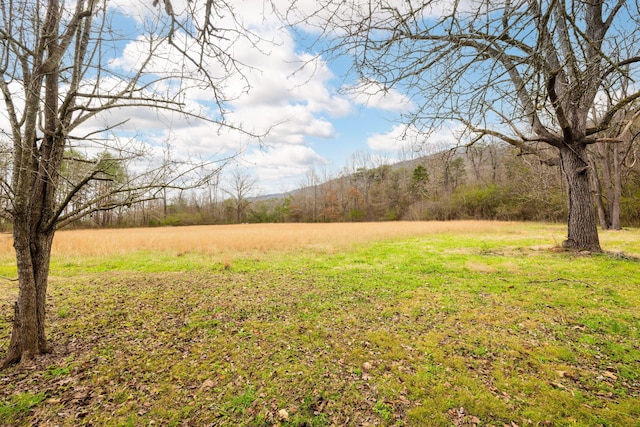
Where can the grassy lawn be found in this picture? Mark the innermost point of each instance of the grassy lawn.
(485, 326)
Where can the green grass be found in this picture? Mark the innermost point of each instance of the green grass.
(400, 332)
(19, 405)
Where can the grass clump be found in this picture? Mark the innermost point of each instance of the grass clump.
(19, 405)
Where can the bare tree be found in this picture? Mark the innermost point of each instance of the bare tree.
(526, 72)
(58, 79)
(306, 200)
(241, 185)
(610, 161)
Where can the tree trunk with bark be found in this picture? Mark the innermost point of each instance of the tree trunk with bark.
(33, 252)
(582, 226)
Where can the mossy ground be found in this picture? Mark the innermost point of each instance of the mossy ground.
(483, 328)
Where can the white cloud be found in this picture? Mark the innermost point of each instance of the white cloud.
(279, 169)
(401, 138)
(134, 9)
(287, 124)
(276, 88)
(375, 95)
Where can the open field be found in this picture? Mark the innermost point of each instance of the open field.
(415, 324)
(246, 239)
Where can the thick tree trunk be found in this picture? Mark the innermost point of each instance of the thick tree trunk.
(33, 252)
(582, 228)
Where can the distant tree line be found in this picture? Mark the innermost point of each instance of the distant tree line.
(490, 181)
(479, 182)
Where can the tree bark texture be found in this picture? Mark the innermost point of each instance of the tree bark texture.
(28, 337)
(582, 226)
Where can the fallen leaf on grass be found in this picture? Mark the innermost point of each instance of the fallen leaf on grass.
(403, 400)
(460, 417)
(207, 384)
(283, 415)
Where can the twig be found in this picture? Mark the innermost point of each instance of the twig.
(560, 279)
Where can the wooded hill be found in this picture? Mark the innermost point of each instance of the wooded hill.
(478, 182)
(487, 182)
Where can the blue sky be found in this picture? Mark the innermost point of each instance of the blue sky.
(314, 123)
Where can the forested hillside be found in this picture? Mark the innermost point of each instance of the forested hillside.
(478, 182)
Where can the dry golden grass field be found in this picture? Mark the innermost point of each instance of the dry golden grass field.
(252, 238)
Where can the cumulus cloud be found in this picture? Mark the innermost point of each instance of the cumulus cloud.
(401, 138)
(280, 168)
(374, 95)
(277, 90)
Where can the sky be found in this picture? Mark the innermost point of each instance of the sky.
(315, 117)
(301, 102)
